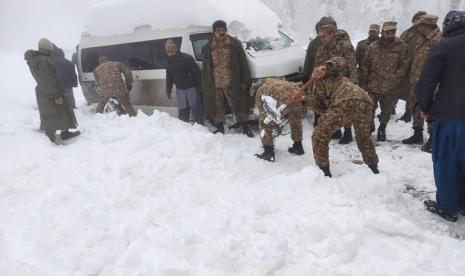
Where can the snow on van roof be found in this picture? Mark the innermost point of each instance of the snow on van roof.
(246, 18)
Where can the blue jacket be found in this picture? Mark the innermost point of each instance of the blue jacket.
(446, 68)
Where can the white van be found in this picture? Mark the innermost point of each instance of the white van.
(143, 52)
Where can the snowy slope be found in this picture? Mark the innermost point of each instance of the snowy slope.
(154, 196)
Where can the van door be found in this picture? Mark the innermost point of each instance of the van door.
(199, 42)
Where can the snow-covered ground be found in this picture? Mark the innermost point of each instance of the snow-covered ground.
(154, 196)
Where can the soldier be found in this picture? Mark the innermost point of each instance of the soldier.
(55, 111)
(412, 38)
(340, 100)
(336, 44)
(226, 79)
(427, 27)
(281, 91)
(362, 46)
(385, 64)
(111, 84)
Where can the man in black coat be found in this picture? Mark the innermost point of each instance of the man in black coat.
(182, 71)
(66, 75)
(440, 94)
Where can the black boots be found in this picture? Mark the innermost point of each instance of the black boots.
(428, 146)
(219, 128)
(337, 135)
(347, 138)
(268, 154)
(433, 207)
(382, 132)
(417, 137)
(297, 148)
(326, 171)
(65, 135)
(374, 169)
(246, 130)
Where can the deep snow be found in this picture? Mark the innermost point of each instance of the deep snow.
(154, 196)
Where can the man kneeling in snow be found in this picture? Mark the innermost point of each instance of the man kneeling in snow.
(339, 100)
(280, 91)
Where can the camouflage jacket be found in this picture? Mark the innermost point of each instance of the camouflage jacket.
(342, 48)
(278, 89)
(422, 52)
(109, 79)
(360, 53)
(384, 66)
(329, 93)
(412, 38)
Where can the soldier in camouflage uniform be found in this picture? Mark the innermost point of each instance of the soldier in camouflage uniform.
(383, 68)
(281, 91)
(412, 38)
(427, 27)
(111, 84)
(362, 46)
(340, 100)
(337, 44)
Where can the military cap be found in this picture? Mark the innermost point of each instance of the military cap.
(337, 64)
(389, 26)
(417, 15)
(428, 19)
(375, 27)
(327, 20)
(327, 28)
(45, 44)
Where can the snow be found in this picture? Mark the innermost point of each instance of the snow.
(117, 17)
(154, 196)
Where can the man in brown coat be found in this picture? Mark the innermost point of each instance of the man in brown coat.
(427, 27)
(384, 66)
(111, 84)
(56, 112)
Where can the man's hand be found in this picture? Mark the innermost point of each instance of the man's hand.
(129, 87)
(59, 100)
(168, 94)
(319, 72)
(424, 115)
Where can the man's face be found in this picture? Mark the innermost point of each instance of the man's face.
(373, 33)
(389, 35)
(327, 38)
(220, 33)
(424, 29)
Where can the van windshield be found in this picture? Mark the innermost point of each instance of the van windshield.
(273, 43)
(143, 55)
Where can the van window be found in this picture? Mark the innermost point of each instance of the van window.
(262, 44)
(199, 42)
(143, 55)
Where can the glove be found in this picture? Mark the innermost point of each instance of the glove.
(59, 100)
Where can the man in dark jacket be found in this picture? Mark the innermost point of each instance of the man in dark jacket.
(446, 108)
(184, 73)
(226, 79)
(66, 75)
(54, 109)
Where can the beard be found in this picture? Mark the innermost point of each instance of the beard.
(389, 39)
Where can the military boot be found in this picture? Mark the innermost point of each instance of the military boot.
(65, 135)
(417, 137)
(246, 130)
(297, 148)
(428, 146)
(337, 135)
(374, 168)
(347, 138)
(326, 171)
(268, 154)
(219, 128)
(382, 132)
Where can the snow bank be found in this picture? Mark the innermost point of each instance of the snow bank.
(122, 16)
(154, 196)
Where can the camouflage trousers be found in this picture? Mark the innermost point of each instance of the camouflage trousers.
(295, 123)
(386, 103)
(357, 112)
(123, 100)
(224, 97)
